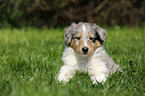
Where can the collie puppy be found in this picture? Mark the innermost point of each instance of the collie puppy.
(84, 52)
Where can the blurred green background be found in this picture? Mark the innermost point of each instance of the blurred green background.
(52, 13)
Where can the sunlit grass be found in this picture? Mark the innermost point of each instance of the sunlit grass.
(30, 59)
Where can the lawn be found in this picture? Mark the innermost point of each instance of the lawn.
(30, 59)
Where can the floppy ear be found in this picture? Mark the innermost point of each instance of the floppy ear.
(100, 31)
(69, 34)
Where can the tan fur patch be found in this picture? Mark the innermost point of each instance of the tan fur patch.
(80, 46)
(80, 34)
(72, 44)
(95, 45)
(76, 45)
(90, 34)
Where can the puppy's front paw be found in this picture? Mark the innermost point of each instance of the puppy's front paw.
(63, 78)
(100, 79)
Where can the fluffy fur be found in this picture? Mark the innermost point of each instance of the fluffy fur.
(84, 52)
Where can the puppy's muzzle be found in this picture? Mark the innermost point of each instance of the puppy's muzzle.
(85, 50)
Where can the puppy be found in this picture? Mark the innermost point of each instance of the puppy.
(84, 52)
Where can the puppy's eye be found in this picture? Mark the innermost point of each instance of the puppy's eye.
(77, 38)
(91, 38)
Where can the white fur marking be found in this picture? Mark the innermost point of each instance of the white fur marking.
(84, 28)
(84, 35)
(85, 43)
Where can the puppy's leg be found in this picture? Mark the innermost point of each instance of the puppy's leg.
(66, 72)
(98, 78)
(97, 72)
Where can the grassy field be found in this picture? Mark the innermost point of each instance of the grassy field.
(30, 59)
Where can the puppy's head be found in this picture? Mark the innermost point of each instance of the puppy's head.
(84, 38)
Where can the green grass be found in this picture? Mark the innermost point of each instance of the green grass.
(30, 59)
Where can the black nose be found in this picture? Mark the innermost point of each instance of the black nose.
(85, 49)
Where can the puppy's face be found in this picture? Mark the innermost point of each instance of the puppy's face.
(84, 39)
(85, 43)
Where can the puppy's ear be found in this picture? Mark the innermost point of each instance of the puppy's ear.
(100, 31)
(69, 33)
